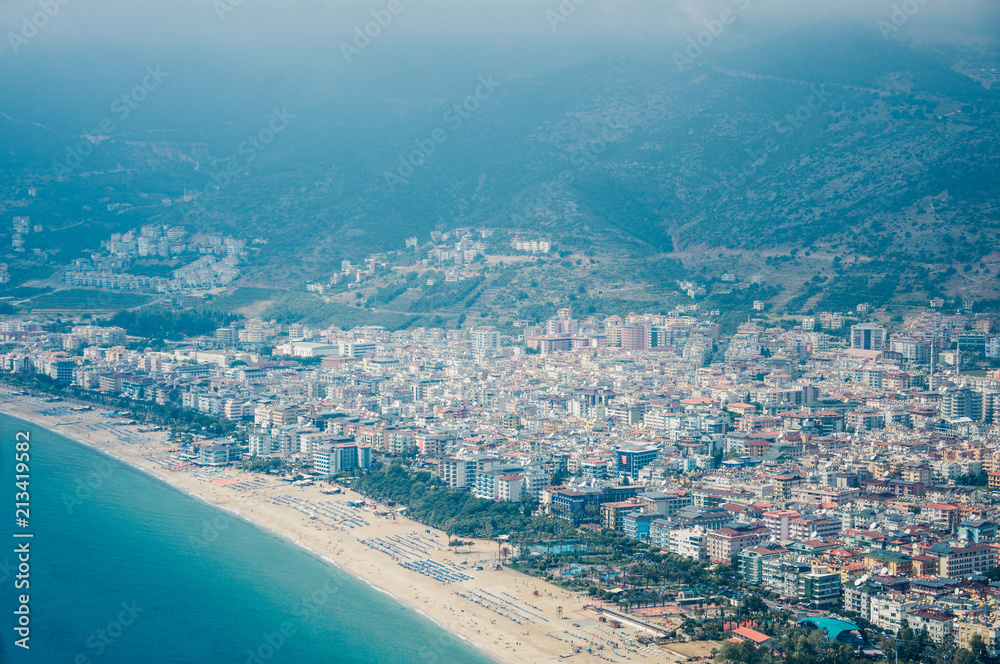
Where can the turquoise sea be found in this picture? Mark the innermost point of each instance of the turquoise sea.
(124, 568)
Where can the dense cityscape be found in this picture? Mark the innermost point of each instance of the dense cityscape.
(845, 475)
(520, 332)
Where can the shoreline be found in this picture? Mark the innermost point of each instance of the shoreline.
(268, 528)
(492, 633)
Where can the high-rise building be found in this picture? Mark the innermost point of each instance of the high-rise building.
(484, 338)
(867, 336)
(962, 402)
(635, 337)
(631, 459)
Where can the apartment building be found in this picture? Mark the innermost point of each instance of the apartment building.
(868, 336)
(888, 610)
(613, 514)
(724, 543)
(816, 585)
(813, 527)
(964, 629)
(938, 624)
(751, 562)
(955, 562)
(780, 523)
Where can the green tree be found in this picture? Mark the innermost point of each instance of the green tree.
(977, 648)
(560, 476)
(963, 656)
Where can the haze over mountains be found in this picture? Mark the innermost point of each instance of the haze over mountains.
(809, 149)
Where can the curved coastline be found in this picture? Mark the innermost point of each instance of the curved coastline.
(492, 636)
(262, 525)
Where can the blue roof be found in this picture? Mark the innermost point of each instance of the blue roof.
(832, 626)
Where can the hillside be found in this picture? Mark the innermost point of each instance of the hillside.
(827, 161)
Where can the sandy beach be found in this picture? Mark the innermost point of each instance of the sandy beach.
(511, 617)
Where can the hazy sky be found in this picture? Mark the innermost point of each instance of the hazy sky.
(230, 57)
(321, 25)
